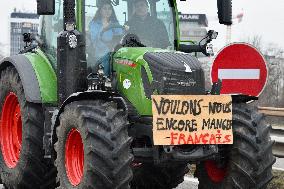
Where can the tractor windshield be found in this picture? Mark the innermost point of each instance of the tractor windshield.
(107, 21)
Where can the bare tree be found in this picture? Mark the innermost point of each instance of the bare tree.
(274, 50)
(275, 87)
(1, 51)
(269, 49)
(1, 55)
(272, 95)
(256, 41)
(273, 53)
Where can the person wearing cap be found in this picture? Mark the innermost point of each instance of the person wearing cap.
(150, 30)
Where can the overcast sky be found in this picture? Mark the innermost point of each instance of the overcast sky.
(261, 17)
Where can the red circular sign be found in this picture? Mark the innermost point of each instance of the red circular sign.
(241, 68)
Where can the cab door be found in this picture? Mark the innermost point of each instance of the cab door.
(52, 25)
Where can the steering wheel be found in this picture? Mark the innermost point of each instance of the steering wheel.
(115, 35)
(126, 40)
(131, 40)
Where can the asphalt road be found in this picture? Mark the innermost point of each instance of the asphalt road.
(279, 164)
(192, 183)
(187, 184)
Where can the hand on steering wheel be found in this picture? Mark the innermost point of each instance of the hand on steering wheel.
(131, 40)
(114, 34)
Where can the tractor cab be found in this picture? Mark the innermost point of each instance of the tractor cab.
(109, 24)
(106, 23)
(123, 13)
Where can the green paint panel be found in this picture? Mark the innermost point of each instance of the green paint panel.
(135, 93)
(46, 76)
(79, 14)
(177, 24)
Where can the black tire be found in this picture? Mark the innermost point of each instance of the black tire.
(30, 168)
(155, 177)
(106, 144)
(50, 178)
(250, 160)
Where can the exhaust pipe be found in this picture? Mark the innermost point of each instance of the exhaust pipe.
(71, 56)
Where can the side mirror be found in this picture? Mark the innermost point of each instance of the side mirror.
(225, 11)
(45, 7)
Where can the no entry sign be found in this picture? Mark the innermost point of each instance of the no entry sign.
(241, 68)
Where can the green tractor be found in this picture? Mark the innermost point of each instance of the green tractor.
(71, 118)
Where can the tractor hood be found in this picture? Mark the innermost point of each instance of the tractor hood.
(168, 72)
(135, 54)
(175, 73)
(142, 72)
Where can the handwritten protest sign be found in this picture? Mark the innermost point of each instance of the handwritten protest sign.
(192, 119)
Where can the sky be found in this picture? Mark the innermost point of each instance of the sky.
(6, 7)
(261, 17)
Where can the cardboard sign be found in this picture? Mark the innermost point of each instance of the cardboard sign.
(192, 119)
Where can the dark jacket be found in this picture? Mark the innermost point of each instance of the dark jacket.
(151, 31)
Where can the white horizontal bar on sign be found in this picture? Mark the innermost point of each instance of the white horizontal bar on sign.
(238, 73)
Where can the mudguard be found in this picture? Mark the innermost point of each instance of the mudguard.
(91, 95)
(37, 76)
(27, 75)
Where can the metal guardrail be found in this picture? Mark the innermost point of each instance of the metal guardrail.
(270, 111)
(277, 133)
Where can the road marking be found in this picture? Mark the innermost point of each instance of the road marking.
(238, 73)
(278, 139)
(191, 179)
(277, 169)
(195, 180)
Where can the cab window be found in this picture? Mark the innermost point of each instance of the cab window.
(107, 21)
(50, 26)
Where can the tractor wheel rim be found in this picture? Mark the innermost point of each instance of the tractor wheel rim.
(11, 130)
(215, 173)
(74, 157)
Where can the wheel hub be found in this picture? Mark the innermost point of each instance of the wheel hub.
(215, 173)
(11, 130)
(74, 157)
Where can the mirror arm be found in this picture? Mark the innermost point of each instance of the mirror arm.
(192, 48)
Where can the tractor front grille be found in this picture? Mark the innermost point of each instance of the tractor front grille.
(171, 75)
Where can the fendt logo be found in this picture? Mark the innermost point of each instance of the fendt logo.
(187, 68)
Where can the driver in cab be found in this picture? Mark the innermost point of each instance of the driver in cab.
(102, 34)
(150, 30)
